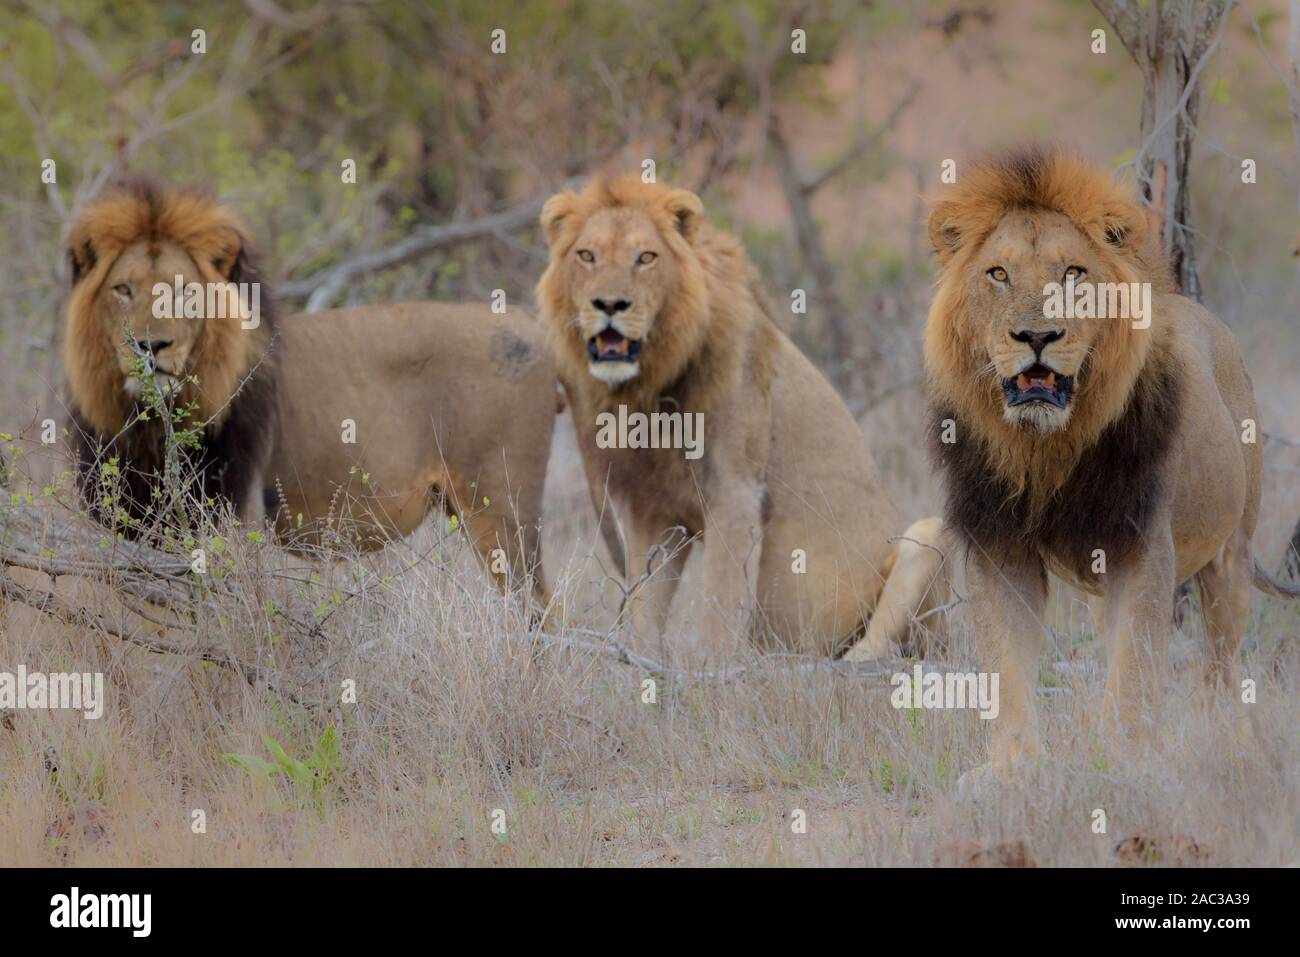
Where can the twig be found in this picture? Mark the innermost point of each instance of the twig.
(50, 604)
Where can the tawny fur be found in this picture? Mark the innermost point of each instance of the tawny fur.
(960, 221)
(142, 231)
(1147, 483)
(784, 465)
(453, 408)
(144, 211)
(453, 405)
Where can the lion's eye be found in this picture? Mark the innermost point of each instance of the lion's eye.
(998, 274)
(586, 255)
(646, 258)
(1075, 272)
(123, 290)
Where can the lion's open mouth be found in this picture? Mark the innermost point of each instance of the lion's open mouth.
(610, 345)
(1038, 384)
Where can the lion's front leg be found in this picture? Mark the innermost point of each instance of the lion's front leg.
(250, 505)
(1139, 615)
(1007, 599)
(732, 545)
(656, 558)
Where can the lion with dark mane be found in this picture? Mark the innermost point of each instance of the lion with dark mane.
(1112, 447)
(219, 374)
(344, 428)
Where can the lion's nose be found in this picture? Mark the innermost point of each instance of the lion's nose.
(153, 346)
(611, 306)
(1038, 339)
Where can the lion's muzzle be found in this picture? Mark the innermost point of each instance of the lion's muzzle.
(610, 345)
(1038, 383)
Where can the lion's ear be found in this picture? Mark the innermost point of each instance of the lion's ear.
(81, 258)
(242, 269)
(1124, 227)
(230, 259)
(557, 209)
(944, 236)
(687, 209)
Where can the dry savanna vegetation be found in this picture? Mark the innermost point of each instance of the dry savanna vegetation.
(461, 712)
(395, 708)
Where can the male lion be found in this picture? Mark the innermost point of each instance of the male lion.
(444, 406)
(126, 341)
(1115, 452)
(651, 310)
(348, 422)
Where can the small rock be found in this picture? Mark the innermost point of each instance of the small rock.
(1012, 853)
(1178, 850)
(87, 823)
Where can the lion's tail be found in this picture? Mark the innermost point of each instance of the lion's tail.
(915, 588)
(1271, 586)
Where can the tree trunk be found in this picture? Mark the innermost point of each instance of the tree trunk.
(1170, 40)
(1293, 554)
(826, 301)
(1293, 89)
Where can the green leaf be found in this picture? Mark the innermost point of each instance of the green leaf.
(258, 767)
(298, 772)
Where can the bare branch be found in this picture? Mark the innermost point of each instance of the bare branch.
(323, 289)
(862, 143)
(297, 20)
(51, 604)
(1125, 19)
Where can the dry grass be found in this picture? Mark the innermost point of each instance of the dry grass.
(459, 714)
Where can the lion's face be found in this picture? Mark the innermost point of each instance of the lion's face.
(620, 274)
(129, 322)
(624, 289)
(1035, 332)
(1035, 353)
(149, 340)
(1036, 359)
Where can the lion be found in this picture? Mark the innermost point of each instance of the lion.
(130, 351)
(1115, 452)
(447, 406)
(388, 412)
(653, 312)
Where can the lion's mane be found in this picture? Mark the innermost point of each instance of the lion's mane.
(235, 369)
(1096, 482)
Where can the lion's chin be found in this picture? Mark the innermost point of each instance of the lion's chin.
(1040, 418)
(614, 373)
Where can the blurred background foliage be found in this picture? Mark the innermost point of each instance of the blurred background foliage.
(817, 159)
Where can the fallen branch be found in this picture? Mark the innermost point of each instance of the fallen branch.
(612, 647)
(878, 671)
(51, 604)
(1281, 439)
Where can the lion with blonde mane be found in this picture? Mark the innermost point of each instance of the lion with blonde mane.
(1112, 447)
(651, 311)
(348, 426)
